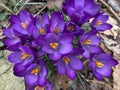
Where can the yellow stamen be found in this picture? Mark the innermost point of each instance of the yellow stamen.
(56, 30)
(39, 88)
(66, 59)
(42, 31)
(86, 42)
(71, 28)
(24, 55)
(24, 24)
(98, 23)
(35, 71)
(99, 64)
(54, 45)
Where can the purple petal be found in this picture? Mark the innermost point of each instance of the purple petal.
(11, 41)
(65, 48)
(45, 19)
(98, 76)
(14, 19)
(60, 67)
(61, 25)
(19, 30)
(55, 56)
(42, 81)
(15, 57)
(19, 70)
(94, 8)
(28, 61)
(70, 73)
(31, 79)
(101, 17)
(86, 54)
(30, 28)
(65, 37)
(8, 32)
(26, 49)
(70, 11)
(51, 37)
(75, 63)
(43, 71)
(48, 86)
(79, 3)
(105, 25)
(104, 71)
(95, 40)
(56, 16)
(93, 48)
(46, 48)
(106, 59)
(24, 16)
(13, 47)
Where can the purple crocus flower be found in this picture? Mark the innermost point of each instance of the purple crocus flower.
(11, 41)
(69, 63)
(22, 59)
(42, 26)
(47, 86)
(36, 73)
(21, 22)
(100, 22)
(57, 45)
(89, 42)
(71, 27)
(80, 11)
(101, 65)
(57, 22)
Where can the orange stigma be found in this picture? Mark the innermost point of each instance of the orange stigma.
(66, 59)
(56, 30)
(42, 31)
(35, 71)
(71, 28)
(24, 24)
(39, 88)
(86, 42)
(24, 55)
(99, 64)
(98, 23)
(54, 45)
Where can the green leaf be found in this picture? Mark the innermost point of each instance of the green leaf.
(1, 44)
(3, 16)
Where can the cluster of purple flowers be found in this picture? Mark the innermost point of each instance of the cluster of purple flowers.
(32, 38)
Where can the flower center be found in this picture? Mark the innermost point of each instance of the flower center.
(99, 64)
(39, 88)
(24, 24)
(42, 31)
(35, 71)
(54, 45)
(66, 59)
(87, 42)
(98, 23)
(71, 28)
(56, 30)
(24, 55)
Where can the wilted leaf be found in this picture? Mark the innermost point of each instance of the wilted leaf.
(53, 4)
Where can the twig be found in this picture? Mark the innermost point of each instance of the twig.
(1, 4)
(111, 10)
(22, 6)
(79, 77)
(95, 81)
(40, 10)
